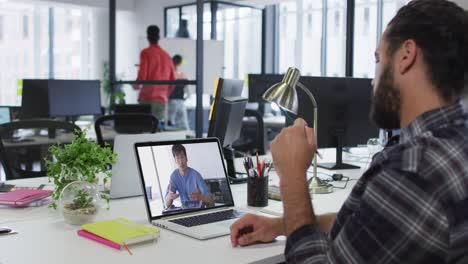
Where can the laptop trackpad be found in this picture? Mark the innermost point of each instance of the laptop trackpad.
(227, 223)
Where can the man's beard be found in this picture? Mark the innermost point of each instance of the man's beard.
(386, 102)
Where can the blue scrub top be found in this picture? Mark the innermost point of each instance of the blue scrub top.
(185, 185)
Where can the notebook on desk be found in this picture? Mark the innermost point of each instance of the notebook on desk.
(23, 197)
(188, 194)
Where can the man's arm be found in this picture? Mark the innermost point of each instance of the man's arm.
(326, 221)
(297, 206)
(292, 151)
(266, 229)
(206, 195)
(171, 195)
(397, 215)
(396, 219)
(201, 193)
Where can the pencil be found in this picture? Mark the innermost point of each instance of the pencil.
(126, 247)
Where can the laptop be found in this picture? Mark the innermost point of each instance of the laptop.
(125, 180)
(189, 195)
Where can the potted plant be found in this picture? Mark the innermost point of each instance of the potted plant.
(81, 160)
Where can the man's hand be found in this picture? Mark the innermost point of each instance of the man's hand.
(171, 196)
(196, 195)
(254, 228)
(293, 149)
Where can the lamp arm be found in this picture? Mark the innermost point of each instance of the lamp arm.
(309, 93)
(312, 98)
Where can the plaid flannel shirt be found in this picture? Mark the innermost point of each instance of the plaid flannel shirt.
(410, 206)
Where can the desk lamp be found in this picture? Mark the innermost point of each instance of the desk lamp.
(284, 95)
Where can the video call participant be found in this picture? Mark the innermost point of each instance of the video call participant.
(187, 183)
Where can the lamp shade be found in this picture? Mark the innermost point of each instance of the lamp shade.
(284, 93)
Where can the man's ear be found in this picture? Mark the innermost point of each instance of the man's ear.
(406, 56)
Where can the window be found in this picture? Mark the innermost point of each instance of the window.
(288, 42)
(19, 63)
(367, 34)
(390, 8)
(2, 22)
(366, 22)
(309, 28)
(73, 44)
(321, 24)
(312, 43)
(365, 38)
(172, 22)
(25, 26)
(336, 40)
(26, 53)
(239, 27)
(189, 13)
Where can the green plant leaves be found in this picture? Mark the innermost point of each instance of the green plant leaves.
(80, 160)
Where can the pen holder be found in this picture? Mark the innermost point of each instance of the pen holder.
(257, 191)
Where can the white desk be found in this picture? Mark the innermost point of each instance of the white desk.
(44, 237)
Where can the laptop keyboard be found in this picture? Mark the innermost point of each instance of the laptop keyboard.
(207, 218)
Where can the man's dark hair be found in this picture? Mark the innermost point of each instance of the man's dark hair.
(177, 59)
(152, 33)
(440, 30)
(177, 149)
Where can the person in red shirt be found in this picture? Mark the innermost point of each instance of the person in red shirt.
(155, 64)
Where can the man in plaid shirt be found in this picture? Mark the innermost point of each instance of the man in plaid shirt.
(411, 205)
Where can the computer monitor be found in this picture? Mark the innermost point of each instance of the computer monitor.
(259, 83)
(343, 114)
(343, 110)
(227, 129)
(223, 88)
(35, 99)
(226, 115)
(71, 98)
(132, 108)
(125, 126)
(5, 115)
(230, 112)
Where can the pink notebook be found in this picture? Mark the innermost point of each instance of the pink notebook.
(23, 197)
(99, 239)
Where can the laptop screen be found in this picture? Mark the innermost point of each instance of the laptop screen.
(5, 116)
(181, 176)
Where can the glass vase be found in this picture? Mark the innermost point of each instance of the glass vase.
(79, 202)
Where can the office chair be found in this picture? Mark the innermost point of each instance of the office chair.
(25, 144)
(131, 123)
(248, 145)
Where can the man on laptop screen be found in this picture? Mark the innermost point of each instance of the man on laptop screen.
(187, 184)
(179, 178)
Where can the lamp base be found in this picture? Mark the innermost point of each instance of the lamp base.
(320, 187)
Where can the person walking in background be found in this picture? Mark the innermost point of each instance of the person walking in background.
(155, 64)
(177, 110)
